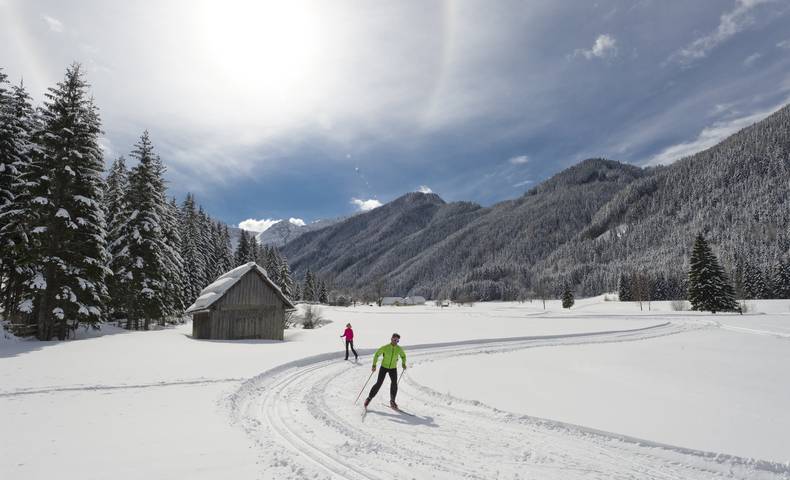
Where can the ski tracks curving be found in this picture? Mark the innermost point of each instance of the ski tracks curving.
(302, 418)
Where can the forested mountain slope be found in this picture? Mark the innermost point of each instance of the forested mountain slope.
(583, 227)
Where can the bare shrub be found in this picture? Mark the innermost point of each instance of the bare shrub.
(311, 318)
(680, 305)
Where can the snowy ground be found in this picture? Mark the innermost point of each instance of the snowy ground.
(482, 385)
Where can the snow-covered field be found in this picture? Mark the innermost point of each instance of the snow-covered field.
(499, 390)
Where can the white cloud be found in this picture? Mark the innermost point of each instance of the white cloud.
(751, 59)
(730, 24)
(519, 160)
(253, 225)
(521, 184)
(296, 221)
(424, 189)
(54, 24)
(709, 137)
(605, 46)
(784, 44)
(365, 205)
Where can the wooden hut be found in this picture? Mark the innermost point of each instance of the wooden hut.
(242, 303)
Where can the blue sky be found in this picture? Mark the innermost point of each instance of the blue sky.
(270, 110)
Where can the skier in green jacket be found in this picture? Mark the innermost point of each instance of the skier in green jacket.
(389, 366)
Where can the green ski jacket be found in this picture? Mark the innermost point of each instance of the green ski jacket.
(390, 353)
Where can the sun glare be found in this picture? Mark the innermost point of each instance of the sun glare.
(266, 48)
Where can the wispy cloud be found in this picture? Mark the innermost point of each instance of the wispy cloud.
(53, 23)
(365, 205)
(519, 160)
(784, 44)
(730, 24)
(605, 46)
(258, 225)
(751, 59)
(709, 137)
(522, 183)
(424, 189)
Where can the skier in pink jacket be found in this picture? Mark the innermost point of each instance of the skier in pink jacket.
(349, 334)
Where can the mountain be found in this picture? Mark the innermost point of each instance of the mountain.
(284, 231)
(281, 232)
(583, 227)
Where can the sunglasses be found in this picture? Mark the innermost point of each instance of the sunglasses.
(395, 339)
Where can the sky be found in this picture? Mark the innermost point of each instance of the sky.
(305, 110)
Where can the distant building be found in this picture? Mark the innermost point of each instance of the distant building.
(398, 301)
(392, 301)
(416, 300)
(242, 303)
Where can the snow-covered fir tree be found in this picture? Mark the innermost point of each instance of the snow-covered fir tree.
(226, 250)
(309, 289)
(243, 249)
(297, 294)
(191, 252)
(567, 298)
(708, 287)
(67, 255)
(624, 288)
(18, 123)
(175, 266)
(323, 294)
(144, 259)
(284, 278)
(115, 189)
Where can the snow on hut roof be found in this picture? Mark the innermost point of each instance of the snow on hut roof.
(221, 285)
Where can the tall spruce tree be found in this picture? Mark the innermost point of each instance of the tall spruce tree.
(708, 287)
(143, 260)
(624, 288)
(285, 281)
(67, 255)
(309, 289)
(191, 251)
(18, 123)
(243, 249)
(323, 294)
(567, 298)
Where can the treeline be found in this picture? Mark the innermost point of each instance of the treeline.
(76, 249)
(311, 289)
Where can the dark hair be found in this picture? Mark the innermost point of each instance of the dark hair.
(396, 335)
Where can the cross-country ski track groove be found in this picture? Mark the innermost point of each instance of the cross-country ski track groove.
(305, 424)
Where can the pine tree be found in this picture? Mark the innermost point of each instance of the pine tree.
(226, 251)
(309, 290)
(191, 253)
(567, 298)
(297, 295)
(624, 288)
(67, 255)
(782, 287)
(174, 264)
(18, 124)
(753, 282)
(708, 287)
(143, 261)
(285, 281)
(243, 249)
(323, 295)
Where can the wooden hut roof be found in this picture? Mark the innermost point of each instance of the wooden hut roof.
(216, 290)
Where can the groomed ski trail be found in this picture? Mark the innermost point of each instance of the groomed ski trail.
(302, 417)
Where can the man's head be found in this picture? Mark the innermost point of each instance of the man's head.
(348, 325)
(395, 339)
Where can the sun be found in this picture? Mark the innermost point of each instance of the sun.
(268, 48)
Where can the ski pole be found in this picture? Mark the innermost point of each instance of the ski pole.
(399, 378)
(363, 386)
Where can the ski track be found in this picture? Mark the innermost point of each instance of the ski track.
(302, 417)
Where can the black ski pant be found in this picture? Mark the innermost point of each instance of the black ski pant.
(393, 373)
(350, 343)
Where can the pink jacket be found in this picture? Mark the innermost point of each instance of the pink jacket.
(349, 334)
